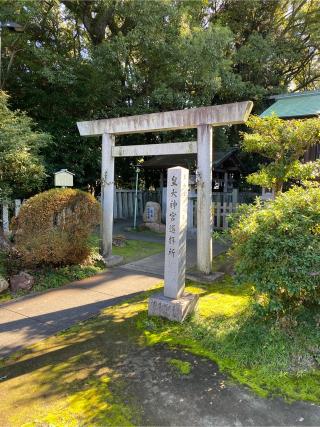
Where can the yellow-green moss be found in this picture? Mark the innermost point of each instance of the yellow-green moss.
(183, 367)
(96, 405)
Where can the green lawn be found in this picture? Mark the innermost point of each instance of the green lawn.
(138, 249)
(72, 378)
(53, 277)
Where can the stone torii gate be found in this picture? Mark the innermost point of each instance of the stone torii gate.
(203, 119)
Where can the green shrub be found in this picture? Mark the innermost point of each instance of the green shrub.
(54, 227)
(277, 249)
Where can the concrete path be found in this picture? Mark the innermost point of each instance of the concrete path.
(35, 317)
(122, 226)
(155, 263)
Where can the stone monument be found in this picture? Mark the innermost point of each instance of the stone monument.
(174, 303)
(152, 217)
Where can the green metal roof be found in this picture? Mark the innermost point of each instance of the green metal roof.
(303, 104)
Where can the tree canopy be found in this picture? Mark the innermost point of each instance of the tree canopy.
(85, 59)
(21, 168)
(283, 143)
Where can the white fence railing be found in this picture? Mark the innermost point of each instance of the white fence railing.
(123, 206)
(220, 213)
(223, 204)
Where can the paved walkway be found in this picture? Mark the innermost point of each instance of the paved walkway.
(35, 317)
(155, 263)
(121, 226)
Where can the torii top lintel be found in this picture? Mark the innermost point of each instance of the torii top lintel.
(217, 115)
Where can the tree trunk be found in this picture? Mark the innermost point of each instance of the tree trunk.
(278, 187)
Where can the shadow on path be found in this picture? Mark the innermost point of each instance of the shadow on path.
(37, 316)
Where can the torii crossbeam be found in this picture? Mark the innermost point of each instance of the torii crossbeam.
(203, 119)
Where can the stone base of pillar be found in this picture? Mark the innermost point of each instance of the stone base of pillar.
(113, 260)
(199, 277)
(172, 309)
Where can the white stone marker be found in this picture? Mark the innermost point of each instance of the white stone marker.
(176, 232)
(17, 207)
(174, 304)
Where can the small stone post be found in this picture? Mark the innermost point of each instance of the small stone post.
(5, 218)
(17, 206)
(174, 304)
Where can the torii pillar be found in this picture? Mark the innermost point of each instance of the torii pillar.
(204, 199)
(203, 119)
(107, 194)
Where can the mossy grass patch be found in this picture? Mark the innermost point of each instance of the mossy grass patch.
(180, 366)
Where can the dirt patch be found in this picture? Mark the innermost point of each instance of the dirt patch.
(205, 397)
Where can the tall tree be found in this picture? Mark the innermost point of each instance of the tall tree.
(21, 168)
(162, 58)
(283, 143)
(277, 42)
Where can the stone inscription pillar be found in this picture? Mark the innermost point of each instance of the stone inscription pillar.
(176, 232)
(174, 303)
(204, 199)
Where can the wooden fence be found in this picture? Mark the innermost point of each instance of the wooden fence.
(123, 206)
(220, 213)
